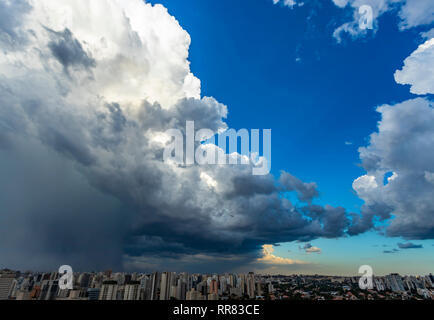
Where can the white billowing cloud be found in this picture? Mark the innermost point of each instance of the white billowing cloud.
(404, 145)
(418, 70)
(269, 258)
(365, 184)
(143, 46)
(98, 83)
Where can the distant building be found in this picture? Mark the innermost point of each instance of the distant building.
(194, 295)
(395, 283)
(49, 290)
(251, 285)
(93, 293)
(7, 283)
(132, 290)
(214, 287)
(109, 290)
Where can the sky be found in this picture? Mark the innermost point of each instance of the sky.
(85, 98)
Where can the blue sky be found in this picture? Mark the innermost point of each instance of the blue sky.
(281, 68)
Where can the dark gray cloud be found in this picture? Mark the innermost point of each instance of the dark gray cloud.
(51, 215)
(306, 192)
(69, 51)
(409, 245)
(309, 248)
(391, 251)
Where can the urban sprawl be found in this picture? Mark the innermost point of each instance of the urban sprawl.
(15, 285)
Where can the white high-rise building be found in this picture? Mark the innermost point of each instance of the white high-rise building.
(168, 280)
(7, 283)
(251, 285)
(109, 290)
(164, 290)
(132, 290)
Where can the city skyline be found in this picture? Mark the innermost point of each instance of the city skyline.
(183, 286)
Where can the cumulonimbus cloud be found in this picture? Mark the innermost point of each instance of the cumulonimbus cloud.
(86, 90)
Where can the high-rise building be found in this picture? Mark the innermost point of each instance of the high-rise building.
(214, 288)
(7, 283)
(155, 286)
(75, 294)
(164, 289)
(93, 293)
(84, 280)
(132, 290)
(251, 285)
(23, 295)
(35, 293)
(168, 281)
(49, 290)
(181, 290)
(394, 282)
(109, 290)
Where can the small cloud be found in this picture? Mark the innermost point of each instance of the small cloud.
(289, 3)
(308, 248)
(348, 143)
(391, 251)
(409, 245)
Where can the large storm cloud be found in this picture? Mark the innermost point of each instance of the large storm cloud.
(86, 90)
